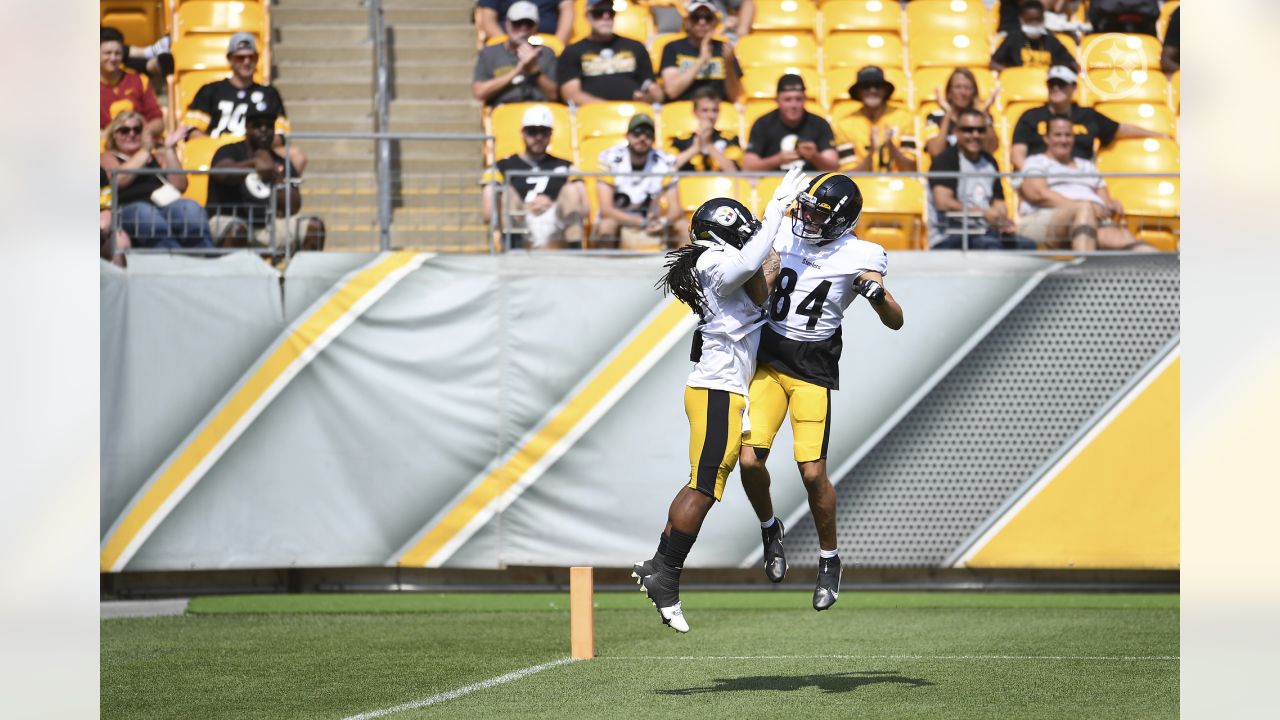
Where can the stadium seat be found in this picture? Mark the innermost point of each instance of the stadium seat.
(948, 49)
(1119, 50)
(693, 191)
(892, 212)
(1069, 42)
(762, 82)
(951, 17)
(197, 154)
(1175, 92)
(861, 16)
(839, 80)
(184, 87)
(1024, 85)
(606, 119)
(221, 18)
(1151, 208)
(633, 20)
(767, 48)
(926, 81)
(859, 49)
(1152, 116)
(1115, 85)
(202, 52)
(1144, 155)
(677, 120)
(140, 20)
(788, 15)
(547, 39)
(505, 123)
(753, 109)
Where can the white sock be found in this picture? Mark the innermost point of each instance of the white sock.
(770, 522)
(829, 553)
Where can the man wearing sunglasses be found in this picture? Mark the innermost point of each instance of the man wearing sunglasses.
(555, 17)
(604, 66)
(878, 137)
(549, 205)
(515, 71)
(1090, 125)
(697, 60)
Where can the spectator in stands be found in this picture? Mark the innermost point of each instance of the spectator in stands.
(548, 206)
(1028, 133)
(152, 209)
(982, 198)
(630, 205)
(790, 136)
(154, 60)
(241, 204)
(515, 71)
(555, 17)
(697, 61)
(1171, 55)
(878, 137)
(1057, 16)
(1030, 44)
(960, 94)
(109, 248)
(1124, 16)
(604, 66)
(1065, 201)
(121, 89)
(221, 107)
(705, 149)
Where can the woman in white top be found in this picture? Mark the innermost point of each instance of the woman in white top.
(1065, 201)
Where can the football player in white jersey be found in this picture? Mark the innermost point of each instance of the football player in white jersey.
(824, 269)
(720, 277)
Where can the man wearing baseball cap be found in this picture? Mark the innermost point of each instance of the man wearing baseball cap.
(547, 205)
(878, 137)
(516, 71)
(790, 136)
(1089, 124)
(697, 60)
(631, 215)
(604, 66)
(555, 17)
(220, 107)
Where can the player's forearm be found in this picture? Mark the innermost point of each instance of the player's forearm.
(890, 312)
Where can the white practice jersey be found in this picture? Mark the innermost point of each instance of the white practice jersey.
(731, 332)
(816, 283)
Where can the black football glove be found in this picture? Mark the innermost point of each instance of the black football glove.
(872, 291)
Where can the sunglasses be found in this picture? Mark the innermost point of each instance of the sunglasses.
(702, 18)
(523, 24)
(536, 131)
(244, 58)
(975, 129)
(1056, 83)
(602, 12)
(642, 132)
(129, 130)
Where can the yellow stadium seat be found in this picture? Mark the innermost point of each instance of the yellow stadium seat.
(201, 52)
(861, 15)
(633, 20)
(859, 49)
(762, 82)
(1152, 116)
(789, 15)
(948, 50)
(1151, 208)
(693, 191)
(549, 40)
(186, 85)
(222, 18)
(927, 80)
(892, 212)
(606, 119)
(1166, 11)
(677, 120)
(933, 17)
(1069, 42)
(506, 120)
(1120, 50)
(753, 109)
(1175, 92)
(1116, 85)
(1140, 155)
(589, 151)
(839, 80)
(197, 154)
(768, 48)
(1023, 85)
(140, 21)
(762, 192)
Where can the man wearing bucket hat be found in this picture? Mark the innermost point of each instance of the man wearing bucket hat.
(515, 70)
(878, 137)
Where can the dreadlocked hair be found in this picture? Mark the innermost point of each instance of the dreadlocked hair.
(681, 281)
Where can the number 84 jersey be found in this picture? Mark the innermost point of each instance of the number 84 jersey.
(816, 283)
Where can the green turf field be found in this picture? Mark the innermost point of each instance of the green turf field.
(749, 655)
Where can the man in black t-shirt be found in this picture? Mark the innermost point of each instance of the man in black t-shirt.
(705, 149)
(1030, 43)
(697, 61)
(1089, 124)
(548, 207)
(603, 66)
(240, 206)
(790, 136)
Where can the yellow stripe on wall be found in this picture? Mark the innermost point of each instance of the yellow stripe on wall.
(546, 438)
(187, 464)
(1115, 505)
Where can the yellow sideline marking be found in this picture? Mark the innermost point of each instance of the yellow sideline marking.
(545, 439)
(190, 461)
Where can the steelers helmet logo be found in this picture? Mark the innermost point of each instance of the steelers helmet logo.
(725, 216)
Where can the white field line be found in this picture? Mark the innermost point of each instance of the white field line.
(1126, 658)
(467, 690)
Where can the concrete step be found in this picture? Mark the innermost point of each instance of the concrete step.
(284, 53)
(322, 35)
(427, 111)
(363, 164)
(331, 90)
(304, 110)
(440, 37)
(418, 88)
(457, 55)
(349, 13)
(296, 15)
(316, 72)
(325, 4)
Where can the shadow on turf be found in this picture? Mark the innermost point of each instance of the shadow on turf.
(829, 683)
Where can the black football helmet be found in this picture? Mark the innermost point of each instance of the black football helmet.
(827, 209)
(722, 220)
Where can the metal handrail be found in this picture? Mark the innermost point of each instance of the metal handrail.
(381, 119)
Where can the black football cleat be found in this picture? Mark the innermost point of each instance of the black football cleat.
(828, 589)
(775, 560)
(663, 588)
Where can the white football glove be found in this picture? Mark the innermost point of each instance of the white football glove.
(791, 186)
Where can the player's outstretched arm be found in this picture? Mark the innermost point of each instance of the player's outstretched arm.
(870, 285)
(748, 260)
